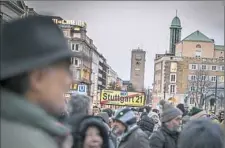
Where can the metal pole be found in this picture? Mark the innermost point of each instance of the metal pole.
(215, 96)
(148, 96)
(164, 93)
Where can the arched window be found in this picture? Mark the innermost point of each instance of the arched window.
(198, 52)
(198, 46)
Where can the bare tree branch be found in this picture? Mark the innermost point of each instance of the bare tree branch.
(200, 85)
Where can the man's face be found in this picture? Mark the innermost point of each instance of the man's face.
(118, 128)
(175, 124)
(48, 86)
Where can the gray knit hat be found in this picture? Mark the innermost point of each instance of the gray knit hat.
(169, 112)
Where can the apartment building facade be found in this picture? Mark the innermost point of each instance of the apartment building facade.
(197, 65)
(81, 64)
(14, 9)
(94, 77)
(111, 77)
(102, 73)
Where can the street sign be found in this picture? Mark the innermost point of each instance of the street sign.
(123, 93)
(82, 88)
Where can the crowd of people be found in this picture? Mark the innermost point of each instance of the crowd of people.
(35, 74)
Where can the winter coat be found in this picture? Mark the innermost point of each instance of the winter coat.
(25, 125)
(146, 124)
(134, 138)
(73, 120)
(105, 120)
(155, 117)
(104, 116)
(83, 124)
(163, 138)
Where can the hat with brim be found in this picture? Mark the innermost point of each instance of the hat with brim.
(30, 43)
(12, 69)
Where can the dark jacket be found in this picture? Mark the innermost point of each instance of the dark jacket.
(146, 124)
(134, 138)
(82, 126)
(103, 116)
(163, 138)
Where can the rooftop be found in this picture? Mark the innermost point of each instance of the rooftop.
(219, 47)
(176, 22)
(198, 37)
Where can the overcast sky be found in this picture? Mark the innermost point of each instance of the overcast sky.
(117, 27)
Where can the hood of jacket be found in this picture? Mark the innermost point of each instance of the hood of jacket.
(146, 123)
(130, 129)
(104, 116)
(16, 108)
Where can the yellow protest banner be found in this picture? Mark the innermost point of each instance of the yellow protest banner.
(122, 98)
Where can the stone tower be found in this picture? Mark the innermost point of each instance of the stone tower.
(137, 69)
(175, 34)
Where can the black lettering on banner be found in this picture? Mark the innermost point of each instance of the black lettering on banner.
(139, 99)
(122, 99)
(104, 96)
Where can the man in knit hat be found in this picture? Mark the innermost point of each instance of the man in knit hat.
(167, 135)
(197, 113)
(126, 129)
(34, 76)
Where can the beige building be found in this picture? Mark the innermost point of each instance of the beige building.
(137, 69)
(111, 77)
(82, 46)
(196, 66)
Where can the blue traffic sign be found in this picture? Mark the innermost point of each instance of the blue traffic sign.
(82, 88)
(123, 93)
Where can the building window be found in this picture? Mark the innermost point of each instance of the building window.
(172, 88)
(193, 77)
(76, 35)
(75, 47)
(193, 66)
(213, 78)
(222, 68)
(137, 74)
(214, 68)
(203, 78)
(198, 53)
(192, 88)
(75, 61)
(66, 33)
(203, 67)
(172, 78)
(137, 69)
(198, 46)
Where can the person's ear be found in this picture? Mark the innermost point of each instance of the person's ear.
(36, 77)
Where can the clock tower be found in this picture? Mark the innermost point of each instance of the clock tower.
(137, 69)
